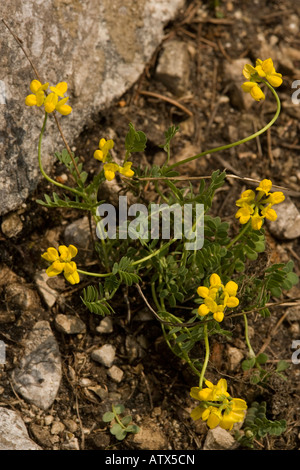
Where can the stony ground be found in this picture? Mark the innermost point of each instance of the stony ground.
(140, 371)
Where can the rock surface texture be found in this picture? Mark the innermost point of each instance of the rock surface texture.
(99, 48)
(38, 376)
(14, 435)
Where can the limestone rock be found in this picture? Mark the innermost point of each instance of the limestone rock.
(150, 437)
(38, 376)
(287, 224)
(99, 48)
(174, 66)
(105, 355)
(49, 295)
(219, 439)
(69, 324)
(234, 78)
(11, 225)
(14, 435)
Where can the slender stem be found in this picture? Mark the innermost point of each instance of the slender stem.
(153, 254)
(239, 142)
(239, 235)
(87, 273)
(67, 145)
(56, 183)
(206, 356)
(251, 352)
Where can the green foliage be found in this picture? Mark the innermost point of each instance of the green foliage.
(125, 271)
(120, 426)
(260, 375)
(135, 141)
(94, 299)
(257, 425)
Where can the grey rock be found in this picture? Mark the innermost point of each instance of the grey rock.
(11, 225)
(99, 48)
(235, 78)
(69, 324)
(150, 437)
(287, 224)
(219, 439)
(105, 355)
(235, 356)
(115, 373)
(78, 234)
(106, 326)
(38, 376)
(19, 295)
(49, 295)
(14, 435)
(173, 67)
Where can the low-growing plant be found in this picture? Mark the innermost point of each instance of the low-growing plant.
(120, 426)
(199, 269)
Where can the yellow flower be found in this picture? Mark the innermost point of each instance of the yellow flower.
(212, 392)
(217, 407)
(50, 102)
(233, 412)
(258, 206)
(61, 262)
(244, 213)
(254, 90)
(104, 147)
(265, 69)
(110, 170)
(265, 186)
(217, 297)
(63, 108)
(249, 71)
(38, 96)
(60, 89)
(126, 170)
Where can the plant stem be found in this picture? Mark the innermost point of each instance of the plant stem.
(87, 273)
(56, 183)
(239, 235)
(153, 254)
(206, 356)
(239, 142)
(251, 352)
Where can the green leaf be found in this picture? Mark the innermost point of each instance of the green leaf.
(262, 358)
(108, 416)
(133, 428)
(116, 428)
(120, 435)
(248, 363)
(282, 365)
(126, 420)
(169, 134)
(135, 141)
(119, 409)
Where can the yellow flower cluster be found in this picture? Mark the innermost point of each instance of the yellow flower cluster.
(217, 407)
(50, 102)
(62, 262)
(217, 297)
(264, 70)
(110, 168)
(258, 206)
